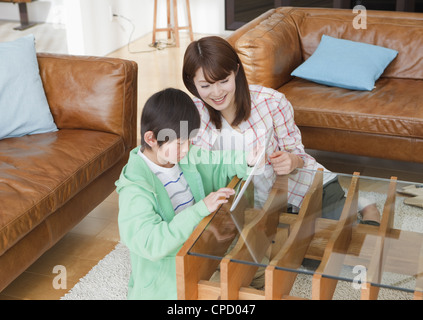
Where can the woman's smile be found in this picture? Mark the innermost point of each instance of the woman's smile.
(219, 100)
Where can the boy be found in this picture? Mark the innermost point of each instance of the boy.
(162, 191)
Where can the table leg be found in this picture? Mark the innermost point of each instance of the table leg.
(23, 15)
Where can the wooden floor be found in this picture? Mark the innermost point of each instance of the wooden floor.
(97, 234)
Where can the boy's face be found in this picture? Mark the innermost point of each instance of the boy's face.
(173, 151)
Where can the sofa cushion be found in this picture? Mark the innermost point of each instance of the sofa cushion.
(39, 173)
(23, 104)
(346, 64)
(393, 108)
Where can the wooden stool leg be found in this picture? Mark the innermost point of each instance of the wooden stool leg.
(168, 19)
(175, 28)
(191, 34)
(175, 22)
(154, 21)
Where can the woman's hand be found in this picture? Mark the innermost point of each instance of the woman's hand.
(253, 156)
(285, 162)
(215, 199)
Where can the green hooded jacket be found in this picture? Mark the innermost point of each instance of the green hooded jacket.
(148, 225)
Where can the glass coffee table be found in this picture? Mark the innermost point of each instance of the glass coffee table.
(261, 251)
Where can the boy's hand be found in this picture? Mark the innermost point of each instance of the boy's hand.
(285, 162)
(215, 199)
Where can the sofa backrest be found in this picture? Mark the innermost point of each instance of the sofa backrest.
(95, 93)
(400, 31)
(278, 41)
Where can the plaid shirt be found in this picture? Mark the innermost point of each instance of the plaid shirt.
(270, 110)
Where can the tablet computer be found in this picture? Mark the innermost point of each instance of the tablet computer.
(239, 194)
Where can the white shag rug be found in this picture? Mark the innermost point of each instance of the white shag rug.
(109, 278)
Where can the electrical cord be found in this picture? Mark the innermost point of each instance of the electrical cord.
(158, 45)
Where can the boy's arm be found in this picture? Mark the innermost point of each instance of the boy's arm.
(217, 167)
(144, 231)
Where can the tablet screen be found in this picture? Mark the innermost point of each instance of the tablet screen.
(238, 195)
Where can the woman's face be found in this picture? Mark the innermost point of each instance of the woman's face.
(219, 95)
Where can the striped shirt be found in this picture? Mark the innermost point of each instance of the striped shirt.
(270, 110)
(174, 182)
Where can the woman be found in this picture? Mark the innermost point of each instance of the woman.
(237, 115)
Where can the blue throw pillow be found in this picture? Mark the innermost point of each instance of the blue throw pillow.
(23, 104)
(346, 64)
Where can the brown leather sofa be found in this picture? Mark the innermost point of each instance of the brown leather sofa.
(49, 182)
(386, 122)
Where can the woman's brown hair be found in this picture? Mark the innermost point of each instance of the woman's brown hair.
(218, 59)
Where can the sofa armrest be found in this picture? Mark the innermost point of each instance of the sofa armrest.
(94, 93)
(269, 48)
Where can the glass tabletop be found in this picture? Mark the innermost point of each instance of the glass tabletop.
(317, 223)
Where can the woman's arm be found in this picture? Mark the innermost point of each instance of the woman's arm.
(292, 154)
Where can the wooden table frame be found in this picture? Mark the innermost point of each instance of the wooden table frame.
(296, 237)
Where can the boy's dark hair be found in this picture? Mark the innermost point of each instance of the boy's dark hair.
(170, 114)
